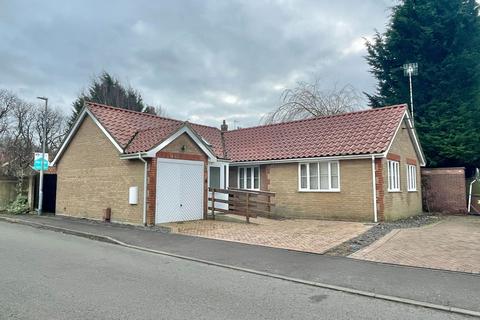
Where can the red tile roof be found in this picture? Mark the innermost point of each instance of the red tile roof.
(146, 139)
(124, 124)
(362, 132)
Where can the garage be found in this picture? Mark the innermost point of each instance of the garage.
(180, 190)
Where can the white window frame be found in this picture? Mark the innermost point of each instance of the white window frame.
(393, 169)
(411, 177)
(252, 177)
(307, 189)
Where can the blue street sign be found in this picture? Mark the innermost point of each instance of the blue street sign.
(37, 164)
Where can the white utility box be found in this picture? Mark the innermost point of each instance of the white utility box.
(133, 195)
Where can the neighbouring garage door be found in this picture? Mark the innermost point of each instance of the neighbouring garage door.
(180, 189)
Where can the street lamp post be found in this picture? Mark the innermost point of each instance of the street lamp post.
(409, 70)
(44, 138)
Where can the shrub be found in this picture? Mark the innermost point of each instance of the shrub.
(19, 205)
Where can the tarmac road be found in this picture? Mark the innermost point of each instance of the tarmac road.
(50, 275)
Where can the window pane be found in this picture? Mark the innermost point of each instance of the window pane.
(334, 182)
(409, 178)
(313, 176)
(324, 176)
(324, 168)
(334, 168)
(414, 177)
(334, 174)
(397, 174)
(389, 165)
(249, 178)
(324, 182)
(395, 178)
(256, 177)
(214, 177)
(241, 174)
(303, 176)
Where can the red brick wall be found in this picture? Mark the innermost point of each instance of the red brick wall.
(151, 190)
(379, 183)
(444, 190)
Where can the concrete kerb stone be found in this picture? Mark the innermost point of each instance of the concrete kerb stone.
(111, 240)
(62, 230)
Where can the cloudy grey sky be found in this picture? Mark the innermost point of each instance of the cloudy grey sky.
(202, 60)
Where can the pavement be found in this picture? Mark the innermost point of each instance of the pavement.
(50, 275)
(454, 289)
(451, 244)
(315, 236)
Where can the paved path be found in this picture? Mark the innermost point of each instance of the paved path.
(48, 275)
(304, 235)
(452, 244)
(434, 286)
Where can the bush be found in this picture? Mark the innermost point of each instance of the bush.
(19, 205)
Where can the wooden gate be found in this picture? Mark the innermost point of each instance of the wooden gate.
(247, 203)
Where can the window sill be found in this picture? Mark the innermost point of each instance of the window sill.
(395, 191)
(319, 191)
(412, 190)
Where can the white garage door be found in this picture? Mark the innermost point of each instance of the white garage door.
(179, 190)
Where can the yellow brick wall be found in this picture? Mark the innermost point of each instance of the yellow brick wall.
(190, 147)
(353, 202)
(92, 177)
(404, 203)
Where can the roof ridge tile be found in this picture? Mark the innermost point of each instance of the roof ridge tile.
(395, 106)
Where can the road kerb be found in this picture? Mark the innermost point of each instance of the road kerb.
(111, 240)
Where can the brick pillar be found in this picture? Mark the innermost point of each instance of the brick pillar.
(380, 186)
(205, 189)
(151, 190)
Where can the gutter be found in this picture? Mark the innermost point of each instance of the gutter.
(374, 188)
(349, 157)
(145, 172)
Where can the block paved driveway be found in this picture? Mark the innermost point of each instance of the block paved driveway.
(304, 235)
(451, 244)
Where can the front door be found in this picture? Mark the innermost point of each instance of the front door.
(180, 190)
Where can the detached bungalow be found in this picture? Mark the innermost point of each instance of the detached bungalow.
(356, 166)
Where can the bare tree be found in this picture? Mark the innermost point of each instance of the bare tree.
(18, 145)
(7, 101)
(56, 123)
(158, 110)
(308, 100)
(22, 134)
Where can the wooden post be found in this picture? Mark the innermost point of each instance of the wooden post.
(247, 207)
(213, 203)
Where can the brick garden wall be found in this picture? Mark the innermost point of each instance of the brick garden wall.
(444, 190)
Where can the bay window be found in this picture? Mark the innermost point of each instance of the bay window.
(249, 178)
(319, 176)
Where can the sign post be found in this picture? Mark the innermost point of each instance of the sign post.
(40, 163)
